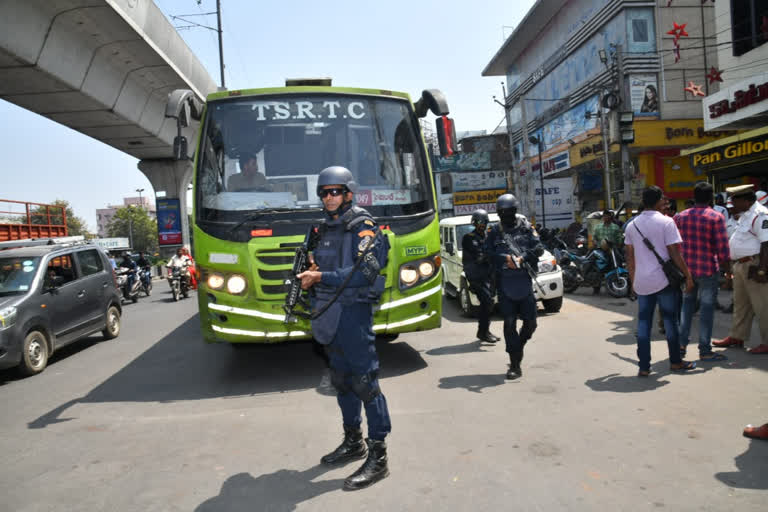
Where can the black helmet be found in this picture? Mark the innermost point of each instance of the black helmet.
(480, 217)
(336, 175)
(507, 202)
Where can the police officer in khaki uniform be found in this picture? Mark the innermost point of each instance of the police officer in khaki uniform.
(749, 250)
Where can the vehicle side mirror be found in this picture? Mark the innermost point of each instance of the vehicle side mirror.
(446, 136)
(449, 248)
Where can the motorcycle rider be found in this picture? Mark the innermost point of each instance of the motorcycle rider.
(514, 285)
(144, 264)
(127, 262)
(179, 260)
(606, 236)
(478, 271)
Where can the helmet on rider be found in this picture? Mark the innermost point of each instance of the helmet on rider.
(479, 218)
(506, 207)
(336, 175)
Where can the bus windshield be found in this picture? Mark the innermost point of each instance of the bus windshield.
(264, 154)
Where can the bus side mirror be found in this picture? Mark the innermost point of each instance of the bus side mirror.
(182, 106)
(446, 136)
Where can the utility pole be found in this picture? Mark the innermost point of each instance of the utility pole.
(221, 43)
(606, 168)
(626, 105)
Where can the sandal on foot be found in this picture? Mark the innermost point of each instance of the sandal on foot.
(712, 356)
(760, 349)
(643, 373)
(683, 366)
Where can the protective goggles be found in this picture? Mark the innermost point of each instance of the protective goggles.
(335, 192)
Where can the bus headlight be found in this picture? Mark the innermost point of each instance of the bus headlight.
(409, 275)
(236, 284)
(426, 268)
(215, 281)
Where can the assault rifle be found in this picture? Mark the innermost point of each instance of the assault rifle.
(300, 264)
(518, 254)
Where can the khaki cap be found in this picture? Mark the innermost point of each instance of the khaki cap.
(740, 190)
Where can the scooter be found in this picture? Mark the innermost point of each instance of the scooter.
(592, 270)
(145, 278)
(122, 275)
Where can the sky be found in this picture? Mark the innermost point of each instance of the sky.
(397, 45)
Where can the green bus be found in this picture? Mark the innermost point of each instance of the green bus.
(257, 157)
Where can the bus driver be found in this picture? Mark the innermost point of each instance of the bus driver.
(249, 178)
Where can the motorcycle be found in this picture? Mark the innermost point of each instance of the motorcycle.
(592, 270)
(122, 275)
(145, 278)
(178, 279)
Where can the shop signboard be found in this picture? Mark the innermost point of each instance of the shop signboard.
(168, 222)
(553, 164)
(467, 209)
(487, 180)
(591, 149)
(477, 196)
(675, 133)
(112, 244)
(745, 150)
(558, 202)
(464, 162)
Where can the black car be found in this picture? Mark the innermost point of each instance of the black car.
(52, 295)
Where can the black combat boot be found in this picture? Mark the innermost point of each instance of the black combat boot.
(515, 372)
(487, 337)
(373, 469)
(351, 448)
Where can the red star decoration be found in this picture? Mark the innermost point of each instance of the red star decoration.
(714, 75)
(678, 31)
(694, 89)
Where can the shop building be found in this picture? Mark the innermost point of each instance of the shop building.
(741, 103)
(583, 75)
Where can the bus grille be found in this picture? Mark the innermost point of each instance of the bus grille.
(270, 280)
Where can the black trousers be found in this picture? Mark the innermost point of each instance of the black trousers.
(484, 292)
(525, 310)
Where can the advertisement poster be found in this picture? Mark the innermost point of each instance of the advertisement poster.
(168, 222)
(464, 162)
(644, 95)
(558, 202)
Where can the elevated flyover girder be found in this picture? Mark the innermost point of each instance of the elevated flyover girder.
(101, 67)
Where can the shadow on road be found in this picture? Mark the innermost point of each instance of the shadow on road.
(280, 491)
(474, 383)
(618, 383)
(472, 346)
(751, 466)
(181, 366)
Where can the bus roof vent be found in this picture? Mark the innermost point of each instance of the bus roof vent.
(314, 82)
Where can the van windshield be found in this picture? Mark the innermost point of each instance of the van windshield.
(16, 275)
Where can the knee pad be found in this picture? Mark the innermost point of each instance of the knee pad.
(365, 386)
(337, 381)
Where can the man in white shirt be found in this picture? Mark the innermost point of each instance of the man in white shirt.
(249, 178)
(749, 252)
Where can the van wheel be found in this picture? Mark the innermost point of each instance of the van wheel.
(467, 309)
(34, 355)
(112, 329)
(553, 305)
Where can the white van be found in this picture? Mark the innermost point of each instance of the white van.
(452, 231)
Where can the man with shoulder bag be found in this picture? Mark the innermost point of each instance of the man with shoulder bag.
(657, 271)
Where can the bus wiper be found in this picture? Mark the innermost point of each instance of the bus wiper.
(257, 215)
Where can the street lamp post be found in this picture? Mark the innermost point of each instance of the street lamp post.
(140, 190)
(537, 140)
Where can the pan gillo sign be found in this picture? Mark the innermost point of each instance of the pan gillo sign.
(731, 153)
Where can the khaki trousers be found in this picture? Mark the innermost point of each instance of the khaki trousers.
(750, 299)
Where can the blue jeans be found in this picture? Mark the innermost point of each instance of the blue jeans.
(706, 289)
(646, 304)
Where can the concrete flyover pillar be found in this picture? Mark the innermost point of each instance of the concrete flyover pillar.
(170, 178)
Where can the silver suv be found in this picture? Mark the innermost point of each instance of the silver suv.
(452, 231)
(52, 295)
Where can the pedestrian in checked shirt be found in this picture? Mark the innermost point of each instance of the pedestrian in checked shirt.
(705, 251)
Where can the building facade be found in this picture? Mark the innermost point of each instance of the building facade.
(104, 215)
(596, 92)
(742, 100)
